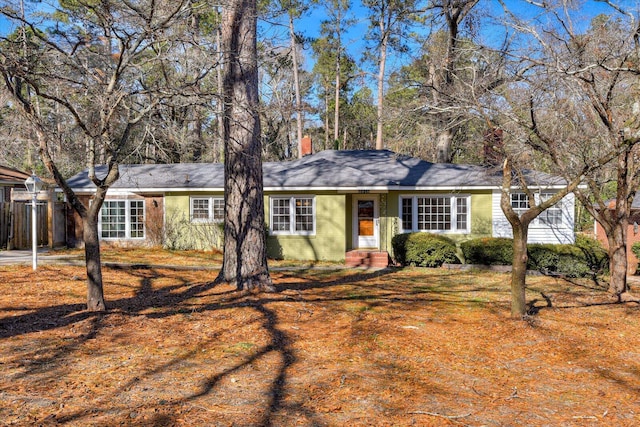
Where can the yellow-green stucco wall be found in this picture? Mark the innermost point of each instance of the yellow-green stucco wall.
(329, 241)
(180, 232)
(334, 223)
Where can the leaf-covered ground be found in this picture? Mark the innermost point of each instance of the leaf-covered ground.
(424, 347)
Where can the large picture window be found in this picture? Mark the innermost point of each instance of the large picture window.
(435, 213)
(292, 215)
(122, 219)
(207, 209)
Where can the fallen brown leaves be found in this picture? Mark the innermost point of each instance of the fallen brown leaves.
(333, 347)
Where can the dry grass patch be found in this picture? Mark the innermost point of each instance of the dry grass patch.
(333, 347)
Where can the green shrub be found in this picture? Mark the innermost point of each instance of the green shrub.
(543, 257)
(571, 266)
(594, 253)
(566, 260)
(635, 248)
(488, 251)
(424, 249)
(584, 258)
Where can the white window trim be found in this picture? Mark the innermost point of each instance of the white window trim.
(454, 212)
(209, 218)
(127, 231)
(538, 221)
(292, 215)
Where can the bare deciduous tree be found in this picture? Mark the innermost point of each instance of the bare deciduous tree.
(92, 72)
(578, 107)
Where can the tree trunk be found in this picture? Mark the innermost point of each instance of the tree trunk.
(219, 142)
(519, 271)
(95, 295)
(296, 84)
(326, 119)
(381, 67)
(336, 107)
(245, 257)
(443, 146)
(618, 259)
(618, 237)
(344, 139)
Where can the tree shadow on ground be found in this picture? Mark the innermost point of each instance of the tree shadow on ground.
(163, 302)
(175, 299)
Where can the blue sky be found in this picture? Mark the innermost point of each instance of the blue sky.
(309, 24)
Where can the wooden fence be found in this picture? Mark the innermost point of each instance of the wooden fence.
(15, 224)
(5, 223)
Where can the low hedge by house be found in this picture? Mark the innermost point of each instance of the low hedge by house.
(585, 257)
(488, 251)
(424, 249)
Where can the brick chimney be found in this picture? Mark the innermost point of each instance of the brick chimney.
(306, 147)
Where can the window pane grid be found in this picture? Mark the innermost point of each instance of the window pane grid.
(122, 219)
(207, 209)
(218, 209)
(113, 219)
(434, 213)
(461, 213)
(292, 215)
(519, 202)
(553, 215)
(280, 215)
(304, 214)
(407, 214)
(137, 218)
(200, 209)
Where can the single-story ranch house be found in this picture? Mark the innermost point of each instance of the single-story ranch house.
(327, 204)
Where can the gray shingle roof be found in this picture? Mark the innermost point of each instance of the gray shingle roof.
(329, 169)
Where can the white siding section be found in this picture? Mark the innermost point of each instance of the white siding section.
(538, 231)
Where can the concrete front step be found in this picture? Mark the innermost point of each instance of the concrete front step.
(367, 259)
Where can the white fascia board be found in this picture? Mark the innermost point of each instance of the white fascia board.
(76, 190)
(472, 188)
(539, 187)
(380, 189)
(372, 189)
(145, 190)
(186, 190)
(445, 188)
(122, 192)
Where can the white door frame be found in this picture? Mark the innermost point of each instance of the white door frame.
(368, 242)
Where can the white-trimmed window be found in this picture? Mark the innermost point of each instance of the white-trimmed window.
(551, 216)
(122, 219)
(519, 203)
(435, 213)
(293, 215)
(207, 209)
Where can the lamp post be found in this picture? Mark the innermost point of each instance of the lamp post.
(34, 185)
